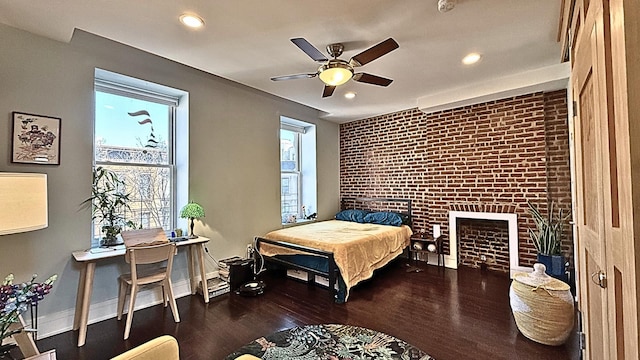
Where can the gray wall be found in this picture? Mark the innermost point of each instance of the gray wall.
(234, 154)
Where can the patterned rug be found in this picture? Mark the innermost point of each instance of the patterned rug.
(330, 342)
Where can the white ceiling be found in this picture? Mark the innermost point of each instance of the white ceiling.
(247, 41)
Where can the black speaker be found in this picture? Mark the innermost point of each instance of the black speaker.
(240, 272)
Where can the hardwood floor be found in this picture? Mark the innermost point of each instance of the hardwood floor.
(449, 314)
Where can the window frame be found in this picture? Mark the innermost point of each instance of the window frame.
(306, 173)
(296, 171)
(138, 93)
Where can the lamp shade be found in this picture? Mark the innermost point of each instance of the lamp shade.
(24, 202)
(334, 76)
(192, 211)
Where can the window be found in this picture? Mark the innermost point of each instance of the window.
(134, 137)
(297, 170)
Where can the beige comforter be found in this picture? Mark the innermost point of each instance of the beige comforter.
(358, 249)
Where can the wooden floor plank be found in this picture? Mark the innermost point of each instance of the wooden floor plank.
(449, 314)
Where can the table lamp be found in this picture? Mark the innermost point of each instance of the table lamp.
(24, 202)
(192, 211)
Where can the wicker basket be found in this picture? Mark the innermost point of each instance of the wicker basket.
(542, 307)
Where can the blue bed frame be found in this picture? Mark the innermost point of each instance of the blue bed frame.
(319, 262)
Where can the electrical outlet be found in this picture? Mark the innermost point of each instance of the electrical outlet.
(483, 258)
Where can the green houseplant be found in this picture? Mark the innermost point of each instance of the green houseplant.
(547, 237)
(109, 203)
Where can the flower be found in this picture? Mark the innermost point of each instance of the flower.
(17, 298)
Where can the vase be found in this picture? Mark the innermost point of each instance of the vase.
(554, 265)
(110, 241)
(542, 306)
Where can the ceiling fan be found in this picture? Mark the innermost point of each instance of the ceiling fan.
(336, 71)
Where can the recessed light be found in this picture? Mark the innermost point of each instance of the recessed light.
(192, 21)
(350, 95)
(471, 59)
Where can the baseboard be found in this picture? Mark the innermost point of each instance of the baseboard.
(62, 321)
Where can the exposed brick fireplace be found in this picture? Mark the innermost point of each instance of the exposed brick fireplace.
(499, 153)
(477, 237)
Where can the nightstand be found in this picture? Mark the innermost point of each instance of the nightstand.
(421, 243)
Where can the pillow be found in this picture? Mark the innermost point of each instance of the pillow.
(384, 218)
(406, 219)
(352, 215)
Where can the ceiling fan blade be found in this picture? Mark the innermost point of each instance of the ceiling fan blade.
(296, 76)
(371, 79)
(309, 49)
(374, 52)
(328, 91)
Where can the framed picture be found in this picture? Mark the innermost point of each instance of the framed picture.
(35, 139)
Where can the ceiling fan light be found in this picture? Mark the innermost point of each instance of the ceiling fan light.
(334, 75)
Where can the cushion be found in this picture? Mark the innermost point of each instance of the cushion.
(406, 219)
(161, 348)
(352, 215)
(383, 218)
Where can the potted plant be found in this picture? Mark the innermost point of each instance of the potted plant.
(109, 203)
(547, 238)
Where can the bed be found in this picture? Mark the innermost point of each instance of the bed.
(366, 235)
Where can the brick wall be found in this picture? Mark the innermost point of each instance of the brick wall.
(500, 153)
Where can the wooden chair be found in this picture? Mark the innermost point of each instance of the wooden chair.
(143, 254)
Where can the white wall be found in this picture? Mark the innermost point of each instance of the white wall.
(234, 156)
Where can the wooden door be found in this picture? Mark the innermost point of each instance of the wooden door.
(589, 216)
(604, 178)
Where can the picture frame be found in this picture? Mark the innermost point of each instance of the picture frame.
(35, 139)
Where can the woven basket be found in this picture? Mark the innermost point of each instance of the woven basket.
(542, 307)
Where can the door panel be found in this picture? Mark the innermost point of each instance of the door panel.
(595, 303)
(590, 188)
(587, 87)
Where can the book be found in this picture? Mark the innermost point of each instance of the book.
(216, 286)
(227, 261)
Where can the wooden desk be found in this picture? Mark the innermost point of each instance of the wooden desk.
(85, 285)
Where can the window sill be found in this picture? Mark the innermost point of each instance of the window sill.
(298, 222)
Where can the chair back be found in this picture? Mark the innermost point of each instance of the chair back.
(151, 254)
(144, 237)
(141, 255)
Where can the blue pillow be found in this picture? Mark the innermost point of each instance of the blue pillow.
(352, 215)
(383, 218)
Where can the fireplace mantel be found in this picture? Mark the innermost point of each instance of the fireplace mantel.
(451, 260)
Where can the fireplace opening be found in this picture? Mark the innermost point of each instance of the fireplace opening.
(483, 244)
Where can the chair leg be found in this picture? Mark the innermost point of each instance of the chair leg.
(122, 294)
(132, 302)
(172, 300)
(165, 299)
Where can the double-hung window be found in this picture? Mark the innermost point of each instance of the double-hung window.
(134, 137)
(297, 170)
(290, 174)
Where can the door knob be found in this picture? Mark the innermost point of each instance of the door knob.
(599, 278)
